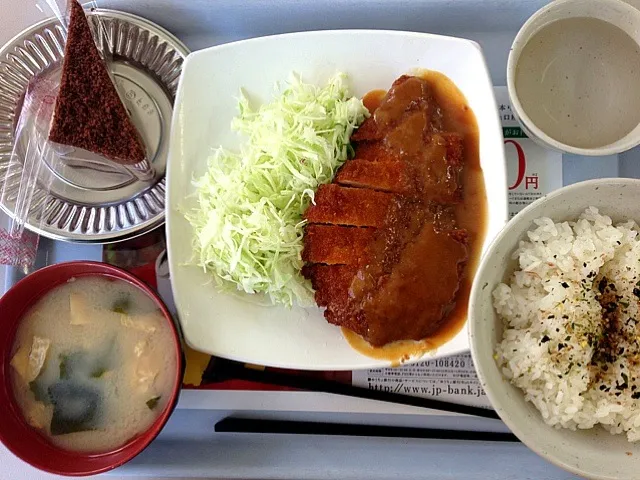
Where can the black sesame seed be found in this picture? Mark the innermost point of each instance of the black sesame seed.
(565, 284)
(602, 285)
(545, 339)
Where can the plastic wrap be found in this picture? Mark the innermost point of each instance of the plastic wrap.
(25, 172)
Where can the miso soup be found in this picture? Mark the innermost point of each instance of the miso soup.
(93, 364)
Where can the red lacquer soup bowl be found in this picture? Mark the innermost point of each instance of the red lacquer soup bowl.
(16, 434)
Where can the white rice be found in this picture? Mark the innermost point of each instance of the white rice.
(553, 347)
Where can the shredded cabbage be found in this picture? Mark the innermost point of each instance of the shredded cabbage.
(248, 223)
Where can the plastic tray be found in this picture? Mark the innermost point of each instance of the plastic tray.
(188, 447)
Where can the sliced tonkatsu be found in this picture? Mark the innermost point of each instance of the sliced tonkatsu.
(382, 247)
(336, 245)
(356, 207)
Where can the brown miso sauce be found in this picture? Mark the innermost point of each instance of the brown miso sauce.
(471, 215)
(373, 98)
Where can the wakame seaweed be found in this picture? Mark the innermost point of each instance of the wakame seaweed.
(153, 402)
(76, 407)
(122, 304)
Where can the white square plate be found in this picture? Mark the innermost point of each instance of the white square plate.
(206, 102)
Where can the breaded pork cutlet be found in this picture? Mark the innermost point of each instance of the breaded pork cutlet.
(399, 278)
(392, 176)
(332, 284)
(336, 245)
(336, 205)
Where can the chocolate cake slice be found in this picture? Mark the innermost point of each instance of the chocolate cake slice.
(89, 113)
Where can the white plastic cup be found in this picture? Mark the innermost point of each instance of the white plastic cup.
(615, 12)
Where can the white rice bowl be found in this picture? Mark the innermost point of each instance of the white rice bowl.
(578, 369)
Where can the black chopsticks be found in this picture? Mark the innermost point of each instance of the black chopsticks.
(220, 370)
(262, 426)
